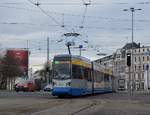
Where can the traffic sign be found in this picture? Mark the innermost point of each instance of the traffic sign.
(146, 67)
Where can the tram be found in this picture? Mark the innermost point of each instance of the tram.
(76, 76)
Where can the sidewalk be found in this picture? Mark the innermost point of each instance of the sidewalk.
(135, 92)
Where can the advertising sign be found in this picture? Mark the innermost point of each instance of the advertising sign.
(22, 56)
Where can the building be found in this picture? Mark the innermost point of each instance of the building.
(119, 69)
(117, 62)
(120, 66)
(140, 68)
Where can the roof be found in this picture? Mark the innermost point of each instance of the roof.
(73, 57)
(105, 58)
(129, 46)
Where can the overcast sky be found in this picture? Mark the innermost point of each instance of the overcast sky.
(106, 26)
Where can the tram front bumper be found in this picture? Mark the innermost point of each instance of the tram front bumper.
(66, 91)
(61, 91)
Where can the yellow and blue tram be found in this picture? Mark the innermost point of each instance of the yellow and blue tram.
(76, 75)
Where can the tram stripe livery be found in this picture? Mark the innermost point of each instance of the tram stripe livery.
(76, 76)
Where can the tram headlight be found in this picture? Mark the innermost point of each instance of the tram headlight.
(68, 84)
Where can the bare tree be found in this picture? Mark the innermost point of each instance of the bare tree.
(10, 70)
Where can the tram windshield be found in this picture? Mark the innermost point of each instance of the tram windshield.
(61, 69)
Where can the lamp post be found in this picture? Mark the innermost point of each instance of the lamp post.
(132, 9)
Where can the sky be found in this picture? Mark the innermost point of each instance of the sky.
(102, 24)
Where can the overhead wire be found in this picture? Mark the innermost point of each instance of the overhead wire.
(42, 10)
(75, 26)
(67, 14)
(76, 3)
(38, 5)
(84, 14)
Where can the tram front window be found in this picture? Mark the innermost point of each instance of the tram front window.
(61, 71)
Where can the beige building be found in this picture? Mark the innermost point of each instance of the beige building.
(140, 68)
(119, 68)
(139, 71)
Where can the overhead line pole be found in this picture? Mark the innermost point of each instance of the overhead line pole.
(132, 9)
(47, 66)
(28, 58)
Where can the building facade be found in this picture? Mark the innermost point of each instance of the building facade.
(119, 69)
(118, 64)
(139, 69)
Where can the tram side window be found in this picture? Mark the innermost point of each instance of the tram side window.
(76, 72)
(98, 76)
(95, 76)
(106, 78)
(87, 73)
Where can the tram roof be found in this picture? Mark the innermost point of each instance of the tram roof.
(73, 57)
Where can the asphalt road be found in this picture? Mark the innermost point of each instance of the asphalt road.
(41, 103)
(13, 94)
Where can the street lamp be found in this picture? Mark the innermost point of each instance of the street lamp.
(132, 9)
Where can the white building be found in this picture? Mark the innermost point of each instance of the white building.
(140, 68)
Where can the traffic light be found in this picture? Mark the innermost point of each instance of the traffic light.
(128, 59)
(47, 69)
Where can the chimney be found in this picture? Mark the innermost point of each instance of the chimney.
(139, 45)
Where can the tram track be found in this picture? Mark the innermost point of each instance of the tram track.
(83, 109)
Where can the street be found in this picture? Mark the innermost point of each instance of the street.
(43, 103)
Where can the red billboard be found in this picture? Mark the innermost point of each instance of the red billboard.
(22, 56)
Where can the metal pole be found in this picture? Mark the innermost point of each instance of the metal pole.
(132, 61)
(147, 79)
(80, 51)
(132, 72)
(28, 58)
(47, 60)
(130, 91)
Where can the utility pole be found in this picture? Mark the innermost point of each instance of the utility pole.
(28, 59)
(129, 63)
(47, 66)
(132, 9)
(147, 68)
(80, 49)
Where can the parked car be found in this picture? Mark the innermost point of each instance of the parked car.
(48, 88)
(19, 86)
(25, 86)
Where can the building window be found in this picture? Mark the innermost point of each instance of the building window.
(142, 85)
(135, 51)
(147, 58)
(135, 59)
(139, 76)
(139, 59)
(143, 58)
(147, 49)
(139, 50)
(135, 67)
(142, 75)
(143, 50)
(143, 66)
